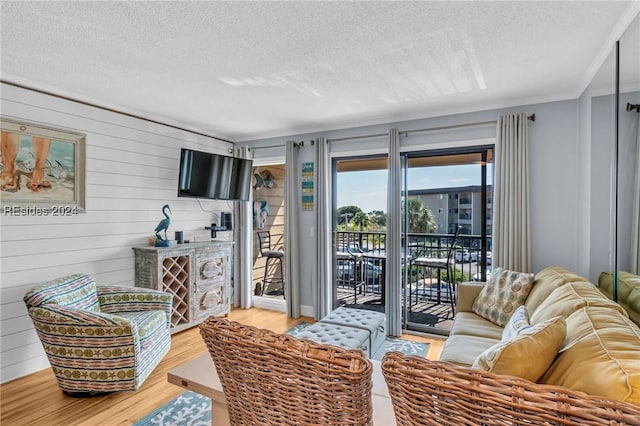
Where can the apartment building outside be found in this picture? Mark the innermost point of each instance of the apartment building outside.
(457, 206)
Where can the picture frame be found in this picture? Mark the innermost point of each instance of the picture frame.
(42, 170)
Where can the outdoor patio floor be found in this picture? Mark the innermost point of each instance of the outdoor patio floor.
(425, 310)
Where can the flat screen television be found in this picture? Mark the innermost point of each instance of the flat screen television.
(215, 176)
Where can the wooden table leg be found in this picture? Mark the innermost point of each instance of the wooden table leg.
(219, 414)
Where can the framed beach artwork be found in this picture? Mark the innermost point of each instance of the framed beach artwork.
(42, 170)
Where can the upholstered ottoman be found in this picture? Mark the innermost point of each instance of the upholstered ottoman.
(350, 328)
(337, 335)
(371, 321)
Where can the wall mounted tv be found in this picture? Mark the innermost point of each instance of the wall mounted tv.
(219, 177)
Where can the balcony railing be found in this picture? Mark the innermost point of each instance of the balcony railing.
(468, 259)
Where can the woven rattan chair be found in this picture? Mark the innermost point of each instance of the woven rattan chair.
(425, 392)
(277, 379)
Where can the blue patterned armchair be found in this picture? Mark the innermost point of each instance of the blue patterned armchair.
(100, 338)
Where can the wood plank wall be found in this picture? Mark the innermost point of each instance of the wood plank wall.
(131, 172)
(275, 221)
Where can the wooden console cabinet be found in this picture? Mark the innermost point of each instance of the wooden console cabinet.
(197, 274)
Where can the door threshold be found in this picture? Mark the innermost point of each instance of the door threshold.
(443, 335)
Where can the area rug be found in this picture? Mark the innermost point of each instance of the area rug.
(188, 409)
(407, 347)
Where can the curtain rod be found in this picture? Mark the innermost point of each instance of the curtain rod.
(352, 138)
(631, 107)
(282, 145)
(89, 104)
(531, 117)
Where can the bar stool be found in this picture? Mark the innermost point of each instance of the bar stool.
(265, 251)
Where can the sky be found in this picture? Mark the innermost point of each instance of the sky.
(368, 189)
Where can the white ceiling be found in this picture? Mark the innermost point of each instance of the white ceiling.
(247, 70)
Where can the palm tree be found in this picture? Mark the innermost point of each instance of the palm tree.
(361, 219)
(378, 219)
(421, 219)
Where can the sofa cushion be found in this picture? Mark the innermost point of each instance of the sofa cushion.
(566, 299)
(464, 349)
(600, 355)
(545, 282)
(466, 294)
(633, 302)
(518, 322)
(626, 283)
(528, 354)
(628, 292)
(504, 292)
(468, 323)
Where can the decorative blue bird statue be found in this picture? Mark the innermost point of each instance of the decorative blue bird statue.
(164, 223)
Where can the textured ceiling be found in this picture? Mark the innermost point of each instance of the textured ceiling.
(245, 70)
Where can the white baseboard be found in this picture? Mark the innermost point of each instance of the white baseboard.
(277, 305)
(307, 311)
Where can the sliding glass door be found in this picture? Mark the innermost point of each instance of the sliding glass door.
(444, 191)
(359, 225)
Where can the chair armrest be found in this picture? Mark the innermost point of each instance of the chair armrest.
(57, 315)
(467, 293)
(75, 339)
(115, 299)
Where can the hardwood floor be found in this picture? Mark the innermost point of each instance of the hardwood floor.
(37, 400)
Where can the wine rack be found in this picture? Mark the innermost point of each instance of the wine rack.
(198, 275)
(175, 280)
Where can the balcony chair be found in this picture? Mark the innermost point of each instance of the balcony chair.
(264, 238)
(350, 271)
(277, 379)
(442, 261)
(100, 339)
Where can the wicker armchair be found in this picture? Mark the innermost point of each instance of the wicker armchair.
(276, 379)
(425, 392)
(100, 338)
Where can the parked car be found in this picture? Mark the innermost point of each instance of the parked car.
(463, 256)
(489, 258)
(351, 248)
(347, 271)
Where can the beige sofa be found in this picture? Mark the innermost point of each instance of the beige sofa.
(601, 351)
(628, 292)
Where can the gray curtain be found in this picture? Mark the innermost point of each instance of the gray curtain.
(393, 243)
(635, 220)
(324, 258)
(292, 231)
(511, 241)
(243, 256)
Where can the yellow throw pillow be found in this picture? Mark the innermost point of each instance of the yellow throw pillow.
(528, 354)
(505, 291)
